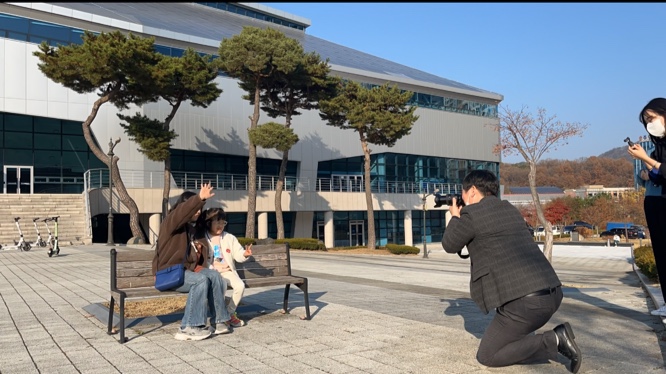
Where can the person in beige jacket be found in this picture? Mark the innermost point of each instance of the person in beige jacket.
(224, 251)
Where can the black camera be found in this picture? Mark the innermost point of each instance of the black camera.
(629, 142)
(447, 199)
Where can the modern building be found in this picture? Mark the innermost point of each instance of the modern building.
(523, 196)
(639, 165)
(44, 151)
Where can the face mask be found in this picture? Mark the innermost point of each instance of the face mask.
(656, 128)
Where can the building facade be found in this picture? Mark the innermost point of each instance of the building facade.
(43, 149)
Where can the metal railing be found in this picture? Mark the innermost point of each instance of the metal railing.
(99, 178)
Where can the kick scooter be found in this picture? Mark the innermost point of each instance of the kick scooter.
(22, 244)
(39, 242)
(50, 239)
(54, 249)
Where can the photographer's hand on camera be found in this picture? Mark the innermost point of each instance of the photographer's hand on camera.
(454, 209)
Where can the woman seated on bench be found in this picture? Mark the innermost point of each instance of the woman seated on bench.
(204, 287)
(223, 251)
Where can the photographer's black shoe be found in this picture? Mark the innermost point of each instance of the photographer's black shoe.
(567, 346)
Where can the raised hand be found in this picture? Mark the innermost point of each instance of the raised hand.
(248, 250)
(206, 191)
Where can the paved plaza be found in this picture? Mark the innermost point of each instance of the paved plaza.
(370, 314)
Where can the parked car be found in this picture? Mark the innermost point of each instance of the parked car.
(540, 231)
(640, 229)
(583, 224)
(621, 232)
(568, 229)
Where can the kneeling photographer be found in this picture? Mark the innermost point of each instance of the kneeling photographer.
(509, 273)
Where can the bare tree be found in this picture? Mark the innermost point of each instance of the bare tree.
(532, 137)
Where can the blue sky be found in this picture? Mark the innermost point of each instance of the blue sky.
(597, 64)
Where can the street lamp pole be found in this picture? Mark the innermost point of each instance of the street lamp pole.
(109, 240)
(425, 246)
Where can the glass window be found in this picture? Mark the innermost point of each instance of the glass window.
(74, 143)
(17, 24)
(18, 140)
(71, 127)
(94, 162)
(18, 157)
(49, 30)
(48, 159)
(47, 125)
(47, 141)
(195, 163)
(76, 36)
(37, 39)
(17, 122)
(74, 163)
(162, 49)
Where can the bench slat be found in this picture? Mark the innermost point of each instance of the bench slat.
(273, 281)
(134, 282)
(263, 272)
(133, 273)
(132, 255)
(146, 292)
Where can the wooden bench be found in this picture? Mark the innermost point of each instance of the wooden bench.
(132, 278)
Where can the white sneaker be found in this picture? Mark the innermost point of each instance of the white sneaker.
(192, 333)
(219, 328)
(659, 312)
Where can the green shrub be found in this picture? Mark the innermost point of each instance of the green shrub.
(644, 258)
(397, 249)
(302, 243)
(246, 241)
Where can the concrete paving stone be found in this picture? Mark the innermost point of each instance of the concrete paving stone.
(213, 367)
(182, 367)
(64, 369)
(18, 369)
(325, 364)
(287, 365)
(359, 362)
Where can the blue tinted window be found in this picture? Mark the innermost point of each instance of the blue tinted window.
(162, 50)
(16, 24)
(49, 30)
(75, 36)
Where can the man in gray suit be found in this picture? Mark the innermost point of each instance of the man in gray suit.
(510, 273)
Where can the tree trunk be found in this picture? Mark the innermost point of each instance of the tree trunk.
(282, 175)
(135, 226)
(166, 190)
(278, 195)
(252, 170)
(548, 229)
(117, 180)
(368, 194)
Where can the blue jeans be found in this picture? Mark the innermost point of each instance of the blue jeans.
(205, 293)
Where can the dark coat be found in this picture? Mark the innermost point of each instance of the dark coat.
(506, 263)
(173, 239)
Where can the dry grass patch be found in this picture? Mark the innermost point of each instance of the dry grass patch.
(152, 307)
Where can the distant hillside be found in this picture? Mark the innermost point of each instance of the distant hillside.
(617, 153)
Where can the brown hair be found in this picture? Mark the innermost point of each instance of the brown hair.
(208, 216)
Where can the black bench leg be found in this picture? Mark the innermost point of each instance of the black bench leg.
(286, 299)
(110, 322)
(304, 287)
(121, 306)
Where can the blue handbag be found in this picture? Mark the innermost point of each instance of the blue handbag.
(171, 277)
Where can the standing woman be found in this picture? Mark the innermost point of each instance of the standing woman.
(653, 117)
(204, 287)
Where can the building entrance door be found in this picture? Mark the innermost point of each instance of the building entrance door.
(320, 230)
(18, 179)
(356, 233)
